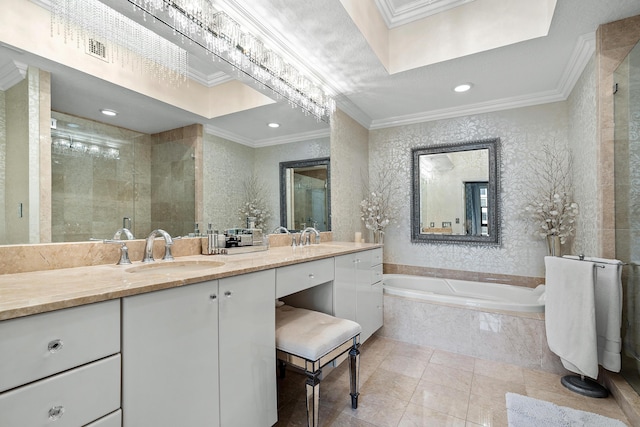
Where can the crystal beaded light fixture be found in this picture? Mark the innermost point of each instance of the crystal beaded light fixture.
(217, 33)
(92, 21)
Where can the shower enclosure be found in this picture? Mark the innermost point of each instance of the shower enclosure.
(627, 204)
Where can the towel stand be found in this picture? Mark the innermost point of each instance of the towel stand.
(584, 386)
(579, 383)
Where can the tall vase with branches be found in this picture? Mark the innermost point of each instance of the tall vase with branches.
(552, 210)
(254, 204)
(377, 208)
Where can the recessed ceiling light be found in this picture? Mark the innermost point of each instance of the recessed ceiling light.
(463, 87)
(107, 112)
(273, 125)
(73, 125)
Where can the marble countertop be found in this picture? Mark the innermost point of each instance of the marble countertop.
(23, 294)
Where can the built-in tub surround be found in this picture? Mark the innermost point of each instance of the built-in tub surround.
(505, 336)
(492, 296)
(476, 276)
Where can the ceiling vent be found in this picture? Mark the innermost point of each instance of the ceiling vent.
(97, 49)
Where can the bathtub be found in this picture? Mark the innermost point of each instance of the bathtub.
(490, 321)
(494, 296)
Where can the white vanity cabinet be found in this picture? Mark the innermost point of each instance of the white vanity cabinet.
(248, 393)
(61, 367)
(358, 290)
(170, 357)
(201, 354)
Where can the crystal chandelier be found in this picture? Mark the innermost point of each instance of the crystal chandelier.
(90, 21)
(216, 32)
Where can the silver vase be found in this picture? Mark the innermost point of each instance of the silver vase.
(554, 247)
(378, 237)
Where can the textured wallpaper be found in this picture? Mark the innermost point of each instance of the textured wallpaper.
(521, 132)
(349, 168)
(267, 165)
(227, 165)
(583, 142)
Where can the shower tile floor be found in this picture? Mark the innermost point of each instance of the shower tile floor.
(408, 385)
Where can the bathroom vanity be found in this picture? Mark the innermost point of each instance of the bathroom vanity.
(188, 343)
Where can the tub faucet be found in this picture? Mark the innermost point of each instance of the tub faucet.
(305, 237)
(148, 247)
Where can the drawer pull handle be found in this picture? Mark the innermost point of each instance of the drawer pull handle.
(213, 296)
(56, 413)
(227, 294)
(55, 346)
(311, 276)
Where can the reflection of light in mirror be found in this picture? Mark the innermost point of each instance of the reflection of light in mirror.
(68, 146)
(434, 162)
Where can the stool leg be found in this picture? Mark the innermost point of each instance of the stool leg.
(313, 397)
(282, 368)
(354, 373)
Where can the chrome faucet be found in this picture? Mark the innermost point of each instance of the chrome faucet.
(148, 247)
(127, 233)
(280, 229)
(124, 250)
(305, 237)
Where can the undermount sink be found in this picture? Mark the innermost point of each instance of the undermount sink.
(174, 266)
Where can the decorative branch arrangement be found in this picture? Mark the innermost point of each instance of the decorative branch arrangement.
(255, 203)
(552, 210)
(377, 209)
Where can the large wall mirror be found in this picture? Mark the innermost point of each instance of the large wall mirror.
(305, 194)
(455, 193)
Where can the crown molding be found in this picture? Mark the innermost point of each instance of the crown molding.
(298, 137)
(287, 139)
(208, 80)
(479, 108)
(419, 9)
(348, 107)
(582, 53)
(233, 137)
(12, 73)
(580, 57)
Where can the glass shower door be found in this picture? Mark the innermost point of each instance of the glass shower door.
(627, 197)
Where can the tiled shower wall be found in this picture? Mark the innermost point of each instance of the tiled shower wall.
(152, 182)
(173, 181)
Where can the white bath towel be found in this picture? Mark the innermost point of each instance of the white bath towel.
(608, 298)
(570, 319)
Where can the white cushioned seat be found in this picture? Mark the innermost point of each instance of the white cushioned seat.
(311, 334)
(310, 340)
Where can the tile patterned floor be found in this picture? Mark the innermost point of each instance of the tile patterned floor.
(407, 385)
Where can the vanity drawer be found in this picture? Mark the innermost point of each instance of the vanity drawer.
(41, 345)
(298, 277)
(112, 420)
(70, 399)
(376, 273)
(376, 256)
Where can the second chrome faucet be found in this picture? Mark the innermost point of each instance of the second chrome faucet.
(148, 247)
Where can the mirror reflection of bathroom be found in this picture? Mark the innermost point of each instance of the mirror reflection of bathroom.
(627, 200)
(104, 175)
(305, 194)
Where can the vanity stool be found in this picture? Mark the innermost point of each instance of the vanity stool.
(310, 340)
